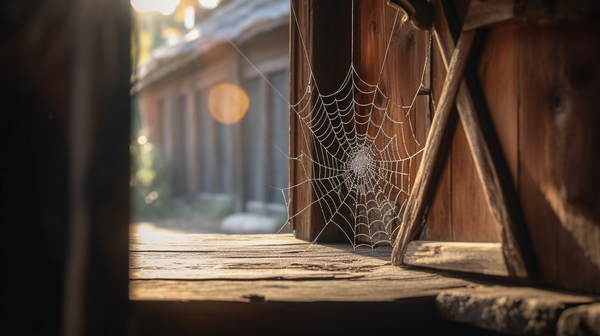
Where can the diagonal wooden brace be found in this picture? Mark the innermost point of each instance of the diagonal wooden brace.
(493, 175)
(432, 158)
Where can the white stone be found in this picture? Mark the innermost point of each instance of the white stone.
(249, 223)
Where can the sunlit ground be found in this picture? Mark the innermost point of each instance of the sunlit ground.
(147, 230)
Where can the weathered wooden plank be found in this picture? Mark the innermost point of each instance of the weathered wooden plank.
(497, 71)
(400, 81)
(483, 258)
(432, 162)
(439, 214)
(327, 74)
(559, 146)
(301, 290)
(498, 191)
(513, 311)
(472, 220)
(496, 186)
(488, 13)
(222, 268)
(301, 168)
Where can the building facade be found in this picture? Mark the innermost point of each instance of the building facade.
(245, 44)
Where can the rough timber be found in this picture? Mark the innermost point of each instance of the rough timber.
(225, 283)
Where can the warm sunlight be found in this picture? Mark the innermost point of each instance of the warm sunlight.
(227, 103)
(165, 7)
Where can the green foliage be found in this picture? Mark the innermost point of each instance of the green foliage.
(150, 180)
(152, 193)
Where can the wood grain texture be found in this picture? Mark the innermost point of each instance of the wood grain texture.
(486, 13)
(186, 284)
(483, 258)
(439, 214)
(497, 71)
(432, 160)
(213, 267)
(472, 220)
(559, 146)
(497, 188)
(328, 73)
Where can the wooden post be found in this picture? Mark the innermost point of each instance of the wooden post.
(328, 72)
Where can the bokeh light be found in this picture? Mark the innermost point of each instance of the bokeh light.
(165, 7)
(190, 17)
(227, 103)
(209, 4)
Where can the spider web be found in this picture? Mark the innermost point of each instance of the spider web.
(358, 171)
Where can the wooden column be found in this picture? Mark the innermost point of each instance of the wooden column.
(329, 58)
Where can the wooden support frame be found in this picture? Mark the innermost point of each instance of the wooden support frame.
(492, 171)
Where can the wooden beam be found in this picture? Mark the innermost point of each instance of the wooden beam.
(432, 158)
(489, 13)
(494, 177)
(495, 181)
(419, 12)
(482, 258)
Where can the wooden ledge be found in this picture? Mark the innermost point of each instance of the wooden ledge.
(186, 284)
(248, 284)
(236, 268)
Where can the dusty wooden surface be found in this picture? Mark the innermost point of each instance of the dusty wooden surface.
(274, 267)
(231, 284)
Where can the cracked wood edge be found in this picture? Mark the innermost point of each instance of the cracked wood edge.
(433, 156)
(482, 258)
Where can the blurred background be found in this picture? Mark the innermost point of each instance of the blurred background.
(209, 115)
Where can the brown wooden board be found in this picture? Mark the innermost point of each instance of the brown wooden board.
(433, 154)
(458, 211)
(497, 72)
(396, 67)
(328, 56)
(439, 215)
(471, 217)
(218, 267)
(230, 283)
(483, 258)
(390, 52)
(558, 150)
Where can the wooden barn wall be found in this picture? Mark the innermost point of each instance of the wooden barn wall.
(539, 84)
(398, 75)
(458, 211)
